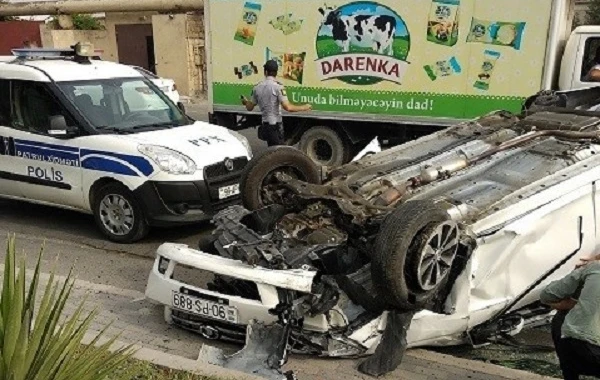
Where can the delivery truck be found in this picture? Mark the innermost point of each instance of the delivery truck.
(390, 69)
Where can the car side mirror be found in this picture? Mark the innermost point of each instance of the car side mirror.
(181, 107)
(58, 126)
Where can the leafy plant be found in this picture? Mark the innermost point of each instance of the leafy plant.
(86, 22)
(34, 345)
(80, 22)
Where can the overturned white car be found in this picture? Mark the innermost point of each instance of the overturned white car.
(444, 240)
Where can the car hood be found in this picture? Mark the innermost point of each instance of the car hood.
(202, 142)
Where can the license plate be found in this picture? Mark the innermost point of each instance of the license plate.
(204, 308)
(229, 191)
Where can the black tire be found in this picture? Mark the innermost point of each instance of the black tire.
(395, 262)
(137, 229)
(266, 163)
(326, 146)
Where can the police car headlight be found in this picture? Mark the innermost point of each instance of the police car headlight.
(241, 138)
(169, 160)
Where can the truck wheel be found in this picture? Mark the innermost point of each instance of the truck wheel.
(118, 214)
(413, 254)
(260, 171)
(325, 146)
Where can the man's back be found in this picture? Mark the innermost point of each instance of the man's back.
(583, 321)
(268, 95)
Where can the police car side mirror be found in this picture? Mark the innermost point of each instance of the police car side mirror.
(181, 107)
(58, 126)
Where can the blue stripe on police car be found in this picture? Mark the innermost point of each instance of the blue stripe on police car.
(103, 161)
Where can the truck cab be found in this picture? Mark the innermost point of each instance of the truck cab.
(582, 52)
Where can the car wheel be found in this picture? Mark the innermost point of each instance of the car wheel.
(413, 254)
(118, 214)
(325, 146)
(261, 170)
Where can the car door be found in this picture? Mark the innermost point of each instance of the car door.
(9, 186)
(47, 167)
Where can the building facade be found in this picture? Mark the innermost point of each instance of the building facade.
(170, 45)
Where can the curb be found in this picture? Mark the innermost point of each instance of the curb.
(175, 362)
(475, 366)
(197, 367)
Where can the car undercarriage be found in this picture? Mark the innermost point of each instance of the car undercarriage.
(444, 240)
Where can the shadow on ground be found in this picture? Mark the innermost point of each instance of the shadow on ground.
(53, 223)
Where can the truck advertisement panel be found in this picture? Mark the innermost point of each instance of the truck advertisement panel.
(426, 58)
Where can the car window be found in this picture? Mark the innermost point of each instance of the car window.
(123, 104)
(33, 106)
(4, 102)
(93, 91)
(591, 57)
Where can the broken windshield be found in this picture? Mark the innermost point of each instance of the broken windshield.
(123, 104)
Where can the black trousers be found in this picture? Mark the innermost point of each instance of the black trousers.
(577, 358)
(271, 133)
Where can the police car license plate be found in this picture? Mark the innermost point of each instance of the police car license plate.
(229, 191)
(205, 308)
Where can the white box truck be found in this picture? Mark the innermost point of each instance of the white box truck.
(390, 69)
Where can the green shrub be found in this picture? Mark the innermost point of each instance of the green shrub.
(34, 344)
(85, 22)
(80, 22)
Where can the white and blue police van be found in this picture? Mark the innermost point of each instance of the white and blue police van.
(98, 137)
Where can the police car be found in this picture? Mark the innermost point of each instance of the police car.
(98, 137)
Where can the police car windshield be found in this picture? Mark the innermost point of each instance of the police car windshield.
(123, 105)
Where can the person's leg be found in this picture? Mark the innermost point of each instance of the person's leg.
(563, 349)
(568, 359)
(273, 135)
(589, 355)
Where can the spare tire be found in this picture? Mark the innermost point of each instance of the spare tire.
(326, 146)
(413, 254)
(260, 170)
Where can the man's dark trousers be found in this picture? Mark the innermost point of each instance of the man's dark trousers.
(271, 133)
(577, 357)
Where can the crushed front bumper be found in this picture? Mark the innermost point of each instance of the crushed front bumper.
(316, 330)
(161, 287)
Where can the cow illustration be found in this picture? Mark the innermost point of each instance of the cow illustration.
(367, 31)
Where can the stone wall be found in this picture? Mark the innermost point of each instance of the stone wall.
(196, 54)
(179, 49)
(64, 39)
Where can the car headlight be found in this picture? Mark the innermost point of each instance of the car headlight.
(241, 138)
(169, 160)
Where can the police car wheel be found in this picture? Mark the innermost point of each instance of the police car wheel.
(118, 214)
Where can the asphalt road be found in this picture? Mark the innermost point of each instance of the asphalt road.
(56, 224)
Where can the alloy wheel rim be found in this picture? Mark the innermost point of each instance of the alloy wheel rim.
(437, 255)
(116, 214)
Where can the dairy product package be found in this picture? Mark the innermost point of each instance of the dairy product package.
(442, 27)
(500, 33)
(443, 68)
(287, 24)
(246, 30)
(490, 59)
(291, 65)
